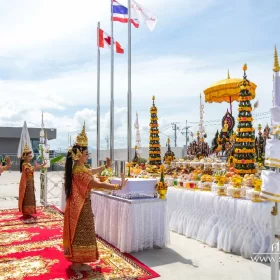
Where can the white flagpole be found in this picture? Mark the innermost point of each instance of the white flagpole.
(98, 100)
(129, 117)
(112, 89)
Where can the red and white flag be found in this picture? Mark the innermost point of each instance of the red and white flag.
(105, 40)
(143, 15)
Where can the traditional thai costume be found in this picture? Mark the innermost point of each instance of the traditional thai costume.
(79, 239)
(26, 200)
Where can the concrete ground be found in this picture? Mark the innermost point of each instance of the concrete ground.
(183, 259)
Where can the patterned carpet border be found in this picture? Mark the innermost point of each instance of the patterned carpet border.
(44, 214)
(33, 251)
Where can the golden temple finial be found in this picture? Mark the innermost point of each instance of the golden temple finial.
(82, 139)
(228, 76)
(245, 67)
(168, 141)
(153, 98)
(276, 67)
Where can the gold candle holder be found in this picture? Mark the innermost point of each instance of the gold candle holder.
(221, 182)
(236, 192)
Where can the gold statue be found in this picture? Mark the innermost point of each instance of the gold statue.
(225, 128)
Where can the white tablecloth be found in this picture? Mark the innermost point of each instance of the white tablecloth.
(233, 225)
(136, 186)
(131, 225)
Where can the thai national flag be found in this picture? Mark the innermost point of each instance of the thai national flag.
(120, 13)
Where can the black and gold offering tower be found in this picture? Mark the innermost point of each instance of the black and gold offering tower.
(244, 152)
(154, 144)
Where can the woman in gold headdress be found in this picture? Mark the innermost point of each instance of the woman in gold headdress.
(26, 199)
(79, 240)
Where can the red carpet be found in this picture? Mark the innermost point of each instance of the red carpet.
(33, 250)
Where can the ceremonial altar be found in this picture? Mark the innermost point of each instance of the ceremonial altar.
(131, 225)
(233, 225)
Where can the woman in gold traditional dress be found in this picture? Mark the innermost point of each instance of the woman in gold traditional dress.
(26, 199)
(79, 240)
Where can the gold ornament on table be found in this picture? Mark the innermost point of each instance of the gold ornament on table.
(221, 179)
(257, 183)
(237, 181)
(161, 186)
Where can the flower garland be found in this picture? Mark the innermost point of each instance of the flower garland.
(246, 129)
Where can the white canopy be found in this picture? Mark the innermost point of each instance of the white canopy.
(24, 139)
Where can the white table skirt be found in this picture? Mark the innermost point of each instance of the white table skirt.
(233, 225)
(131, 225)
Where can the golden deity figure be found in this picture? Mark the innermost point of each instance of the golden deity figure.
(225, 127)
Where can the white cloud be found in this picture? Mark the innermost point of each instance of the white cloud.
(175, 81)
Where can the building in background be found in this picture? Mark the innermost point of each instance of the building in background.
(10, 137)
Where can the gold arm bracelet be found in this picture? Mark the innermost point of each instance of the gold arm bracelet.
(117, 186)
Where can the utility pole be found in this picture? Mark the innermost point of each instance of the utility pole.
(186, 132)
(175, 128)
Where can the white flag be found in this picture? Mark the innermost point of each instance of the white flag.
(143, 15)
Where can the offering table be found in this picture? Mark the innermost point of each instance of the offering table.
(233, 225)
(130, 225)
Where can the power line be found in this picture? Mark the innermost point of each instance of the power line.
(219, 120)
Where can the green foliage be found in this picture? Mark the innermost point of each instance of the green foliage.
(107, 172)
(141, 160)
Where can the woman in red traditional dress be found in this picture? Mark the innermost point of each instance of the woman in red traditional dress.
(79, 240)
(26, 199)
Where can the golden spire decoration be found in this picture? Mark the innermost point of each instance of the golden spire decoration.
(245, 67)
(82, 139)
(276, 67)
(26, 149)
(228, 76)
(153, 98)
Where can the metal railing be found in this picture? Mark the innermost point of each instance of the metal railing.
(16, 164)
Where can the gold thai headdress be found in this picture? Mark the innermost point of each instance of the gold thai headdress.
(81, 141)
(26, 150)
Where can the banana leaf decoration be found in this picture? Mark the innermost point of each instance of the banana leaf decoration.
(56, 159)
(53, 160)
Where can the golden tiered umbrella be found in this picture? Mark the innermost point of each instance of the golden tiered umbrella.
(226, 90)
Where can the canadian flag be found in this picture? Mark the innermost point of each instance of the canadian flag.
(104, 40)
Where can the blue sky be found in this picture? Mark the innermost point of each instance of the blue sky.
(48, 62)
